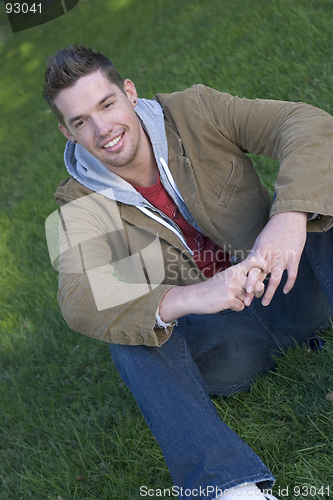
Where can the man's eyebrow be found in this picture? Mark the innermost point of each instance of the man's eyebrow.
(74, 119)
(105, 98)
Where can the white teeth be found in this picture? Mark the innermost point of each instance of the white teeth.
(112, 143)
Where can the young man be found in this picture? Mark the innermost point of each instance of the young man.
(166, 237)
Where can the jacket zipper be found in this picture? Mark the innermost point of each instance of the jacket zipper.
(166, 224)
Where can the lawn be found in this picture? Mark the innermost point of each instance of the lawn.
(69, 428)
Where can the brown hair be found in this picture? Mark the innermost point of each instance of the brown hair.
(68, 65)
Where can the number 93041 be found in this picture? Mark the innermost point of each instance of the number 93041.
(18, 8)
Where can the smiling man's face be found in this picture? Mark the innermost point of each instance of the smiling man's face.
(101, 117)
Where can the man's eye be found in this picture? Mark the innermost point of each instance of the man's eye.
(79, 124)
(108, 104)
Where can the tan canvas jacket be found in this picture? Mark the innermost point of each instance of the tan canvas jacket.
(208, 134)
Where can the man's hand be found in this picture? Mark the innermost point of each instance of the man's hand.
(280, 244)
(225, 290)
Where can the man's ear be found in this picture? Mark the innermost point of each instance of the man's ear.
(131, 92)
(66, 132)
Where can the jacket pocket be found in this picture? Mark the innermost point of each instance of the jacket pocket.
(231, 184)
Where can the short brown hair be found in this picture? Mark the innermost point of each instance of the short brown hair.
(68, 65)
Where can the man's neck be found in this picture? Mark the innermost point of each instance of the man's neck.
(145, 174)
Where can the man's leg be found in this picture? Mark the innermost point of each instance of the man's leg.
(230, 349)
(199, 449)
(259, 332)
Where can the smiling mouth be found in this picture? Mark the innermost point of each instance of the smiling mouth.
(114, 142)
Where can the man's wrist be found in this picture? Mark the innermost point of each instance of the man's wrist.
(179, 301)
(292, 215)
(172, 306)
(296, 213)
(162, 324)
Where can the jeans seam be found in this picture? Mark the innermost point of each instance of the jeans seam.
(271, 334)
(314, 263)
(184, 358)
(236, 387)
(183, 352)
(322, 326)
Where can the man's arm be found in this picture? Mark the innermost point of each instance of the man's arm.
(225, 290)
(300, 136)
(103, 291)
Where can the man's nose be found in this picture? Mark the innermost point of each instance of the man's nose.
(103, 125)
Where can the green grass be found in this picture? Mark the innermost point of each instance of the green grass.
(69, 429)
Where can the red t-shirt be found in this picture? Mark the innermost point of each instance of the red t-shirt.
(210, 258)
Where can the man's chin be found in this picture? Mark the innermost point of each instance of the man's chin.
(114, 164)
(110, 165)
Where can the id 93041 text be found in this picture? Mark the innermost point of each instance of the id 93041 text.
(23, 8)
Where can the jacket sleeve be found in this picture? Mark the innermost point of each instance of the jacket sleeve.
(110, 301)
(299, 135)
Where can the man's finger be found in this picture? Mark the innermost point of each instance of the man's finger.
(274, 282)
(259, 288)
(248, 299)
(252, 279)
(258, 291)
(292, 275)
(258, 260)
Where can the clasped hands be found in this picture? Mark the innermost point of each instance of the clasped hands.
(278, 247)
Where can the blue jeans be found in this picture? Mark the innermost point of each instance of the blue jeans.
(221, 354)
